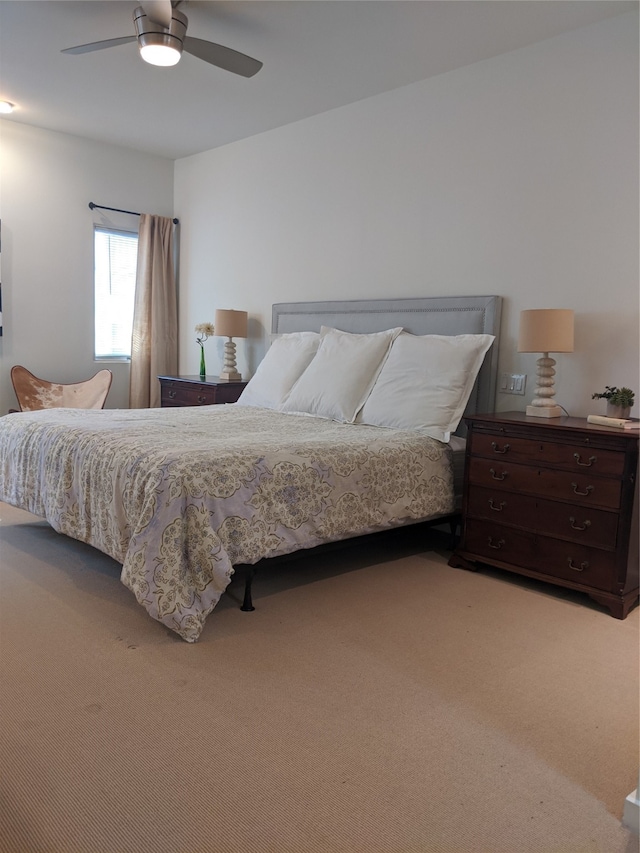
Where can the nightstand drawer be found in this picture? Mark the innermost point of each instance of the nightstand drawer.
(228, 393)
(553, 558)
(506, 544)
(571, 457)
(502, 507)
(170, 396)
(572, 562)
(579, 487)
(585, 525)
(193, 391)
(187, 396)
(576, 523)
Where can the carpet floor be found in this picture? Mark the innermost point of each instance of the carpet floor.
(376, 701)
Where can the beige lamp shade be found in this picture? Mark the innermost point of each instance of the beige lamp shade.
(546, 330)
(231, 324)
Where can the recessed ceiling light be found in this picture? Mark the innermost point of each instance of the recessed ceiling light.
(6, 107)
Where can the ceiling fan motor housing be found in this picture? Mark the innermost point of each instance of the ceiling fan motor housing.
(150, 33)
(163, 45)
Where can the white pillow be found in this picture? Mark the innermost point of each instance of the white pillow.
(425, 383)
(338, 380)
(286, 359)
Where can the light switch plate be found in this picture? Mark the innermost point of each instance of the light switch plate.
(513, 383)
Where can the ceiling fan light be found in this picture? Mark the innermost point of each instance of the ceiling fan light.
(160, 54)
(160, 45)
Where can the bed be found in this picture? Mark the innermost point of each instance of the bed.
(333, 438)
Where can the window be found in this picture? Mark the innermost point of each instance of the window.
(115, 260)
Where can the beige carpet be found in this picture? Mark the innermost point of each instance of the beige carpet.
(376, 701)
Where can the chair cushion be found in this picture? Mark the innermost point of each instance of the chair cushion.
(34, 393)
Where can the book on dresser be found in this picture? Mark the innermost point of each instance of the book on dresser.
(555, 500)
(616, 423)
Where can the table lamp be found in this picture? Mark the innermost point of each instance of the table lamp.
(545, 330)
(230, 324)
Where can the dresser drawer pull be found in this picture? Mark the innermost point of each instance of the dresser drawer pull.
(578, 526)
(588, 464)
(497, 449)
(497, 508)
(498, 544)
(201, 399)
(172, 395)
(578, 492)
(495, 476)
(579, 568)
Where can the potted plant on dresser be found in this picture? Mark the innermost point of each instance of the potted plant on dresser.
(619, 401)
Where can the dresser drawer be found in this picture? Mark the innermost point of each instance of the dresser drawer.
(577, 523)
(553, 558)
(579, 487)
(571, 457)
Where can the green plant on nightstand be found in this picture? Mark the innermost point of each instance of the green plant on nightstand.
(619, 400)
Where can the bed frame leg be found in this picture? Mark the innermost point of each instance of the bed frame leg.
(247, 604)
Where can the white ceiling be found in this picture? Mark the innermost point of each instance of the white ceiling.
(317, 55)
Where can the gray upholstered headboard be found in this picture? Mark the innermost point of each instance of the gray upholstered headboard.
(446, 315)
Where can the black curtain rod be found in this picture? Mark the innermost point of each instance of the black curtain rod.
(92, 206)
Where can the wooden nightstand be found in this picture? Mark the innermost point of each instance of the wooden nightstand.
(555, 500)
(194, 391)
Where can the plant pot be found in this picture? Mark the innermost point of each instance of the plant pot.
(614, 411)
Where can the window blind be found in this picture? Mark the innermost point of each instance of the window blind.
(115, 261)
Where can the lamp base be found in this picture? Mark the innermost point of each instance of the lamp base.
(230, 376)
(544, 412)
(543, 404)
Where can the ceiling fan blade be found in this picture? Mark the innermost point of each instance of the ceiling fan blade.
(98, 45)
(222, 57)
(158, 11)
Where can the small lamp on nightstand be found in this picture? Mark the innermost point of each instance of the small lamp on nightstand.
(545, 330)
(230, 324)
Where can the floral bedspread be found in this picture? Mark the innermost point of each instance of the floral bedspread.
(181, 495)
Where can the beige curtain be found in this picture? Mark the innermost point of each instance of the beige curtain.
(154, 347)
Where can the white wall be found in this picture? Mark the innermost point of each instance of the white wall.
(515, 176)
(47, 181)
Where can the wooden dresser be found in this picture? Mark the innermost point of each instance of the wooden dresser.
(194, 391)
(556, 500)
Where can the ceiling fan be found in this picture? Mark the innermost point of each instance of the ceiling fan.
(161, 33)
